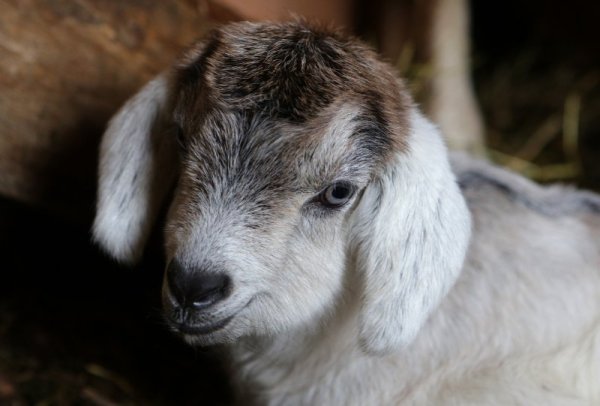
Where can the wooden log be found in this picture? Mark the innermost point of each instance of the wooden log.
(65, 67)
(336, 13)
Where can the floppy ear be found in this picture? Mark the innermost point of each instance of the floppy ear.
(137, 166)
(411, 236)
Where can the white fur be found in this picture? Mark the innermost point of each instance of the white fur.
(135, 166)
(375, 307)
(412, 230)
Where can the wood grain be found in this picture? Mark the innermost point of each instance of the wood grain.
(65, 67)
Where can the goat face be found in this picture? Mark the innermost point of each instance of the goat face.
(265, 213)
(300, 157)
(276, 144)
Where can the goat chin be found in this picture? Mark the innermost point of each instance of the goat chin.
(319, 228)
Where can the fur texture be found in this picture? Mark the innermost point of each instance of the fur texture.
(370, 302)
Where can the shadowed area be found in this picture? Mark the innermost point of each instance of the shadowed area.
(78, 329)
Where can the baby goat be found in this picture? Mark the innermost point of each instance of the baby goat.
(317, 228)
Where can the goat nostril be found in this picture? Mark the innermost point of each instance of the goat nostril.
(205, 300)
(196, 289)
(176, 281)
(207, 289)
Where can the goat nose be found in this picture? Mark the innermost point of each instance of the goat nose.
(196, 289)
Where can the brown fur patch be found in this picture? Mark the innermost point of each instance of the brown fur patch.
(255, 104)
(290, 72)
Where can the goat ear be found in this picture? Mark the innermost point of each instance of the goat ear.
(137, 166)
(411, 236)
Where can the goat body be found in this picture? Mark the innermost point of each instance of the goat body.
(520, 326)
(318, 229)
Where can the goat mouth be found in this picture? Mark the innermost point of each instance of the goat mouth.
(204, 329)
(191, 329)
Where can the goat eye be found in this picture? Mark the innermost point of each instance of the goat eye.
(337, 194)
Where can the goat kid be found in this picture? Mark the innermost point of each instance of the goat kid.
(317, 228)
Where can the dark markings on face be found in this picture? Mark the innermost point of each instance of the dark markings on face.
(373, 129)
(249, 82)
(193, 73)
(284, 74)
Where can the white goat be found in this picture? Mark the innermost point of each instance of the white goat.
(317, 228)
